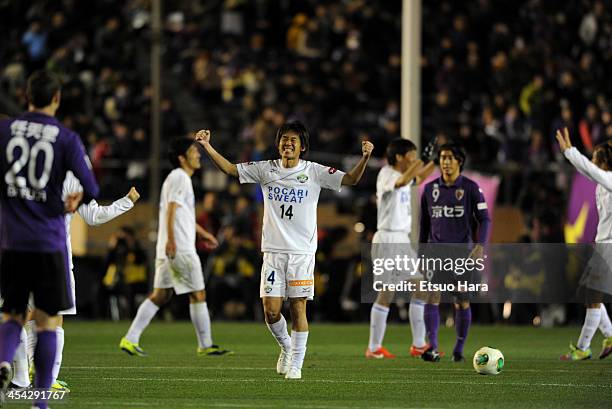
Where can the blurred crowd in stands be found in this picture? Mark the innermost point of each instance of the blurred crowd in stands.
(497, 75)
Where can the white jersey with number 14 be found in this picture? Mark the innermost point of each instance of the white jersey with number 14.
(290, 202)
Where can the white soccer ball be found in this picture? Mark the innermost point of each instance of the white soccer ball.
(488, 361)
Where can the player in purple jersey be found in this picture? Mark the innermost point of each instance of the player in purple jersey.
(449, 206)
(36, 151)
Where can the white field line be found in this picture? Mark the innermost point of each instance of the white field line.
(350, 381)
(250, 405)
(379, 369)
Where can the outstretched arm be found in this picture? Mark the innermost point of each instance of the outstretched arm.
(94, 214)
(353, 176)
(584, 166)
(203, 138)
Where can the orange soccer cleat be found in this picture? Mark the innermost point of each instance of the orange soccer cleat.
(380, 353)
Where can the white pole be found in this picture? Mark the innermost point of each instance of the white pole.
(411, 71)
(410, 107)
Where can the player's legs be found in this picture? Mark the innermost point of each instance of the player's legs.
(147, 310)
(605, 326)
(200, 318)
(416, 313)
(162, 292)
(431, 315)
(299, 336)
(21, 377)
(378, 326)
(277, 325)
(592, 319)
(463, 320)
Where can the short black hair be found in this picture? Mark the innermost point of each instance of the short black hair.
(298, 128)
(398, 146)
(178, 147)
(42, 86)
(457, 151)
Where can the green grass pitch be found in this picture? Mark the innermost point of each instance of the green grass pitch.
(335, 373)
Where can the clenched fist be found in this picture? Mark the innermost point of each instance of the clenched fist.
(133, 195)
(367, 148)
(203, 136)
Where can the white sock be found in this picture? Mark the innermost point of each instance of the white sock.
(30, 328)
(201, 322)
(20, 362)
(145, 314)
(57, 364)
(591, 321)
(605, 326)
(279, 332)
(417, 322)
(298, 348)
(378, 325)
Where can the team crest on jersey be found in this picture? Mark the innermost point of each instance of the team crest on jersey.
(459, 194)
(302, 178)
(331, 171)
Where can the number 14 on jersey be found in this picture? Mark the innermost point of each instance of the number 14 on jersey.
(286, 213)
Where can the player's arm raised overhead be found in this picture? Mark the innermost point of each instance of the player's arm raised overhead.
(584, 166)
(410, 173)
(94, 214)
(353, 176)
(425, 172)
(427, 157)
(203, 138)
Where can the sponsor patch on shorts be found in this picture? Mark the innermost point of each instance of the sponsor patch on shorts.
(300, 283)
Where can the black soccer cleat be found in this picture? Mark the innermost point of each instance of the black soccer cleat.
(457, 357)
(431, 355)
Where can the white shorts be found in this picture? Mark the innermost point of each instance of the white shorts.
(598, 273)
(287, 275)
(183, 273)
(69, 311)
(390, 244)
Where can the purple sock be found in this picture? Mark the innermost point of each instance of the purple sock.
(9, 340)
(463, 319)
(44, 357)
(432, 322)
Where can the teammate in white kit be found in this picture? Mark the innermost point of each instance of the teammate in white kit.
(394, 222)
(177, 265)
(291, 188)
(93, 214)
(599, 170)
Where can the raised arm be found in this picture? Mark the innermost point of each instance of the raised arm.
(425, 172)
(94, 214)
(409, 174)
(584, 166)
(203, 138)
(353, 176)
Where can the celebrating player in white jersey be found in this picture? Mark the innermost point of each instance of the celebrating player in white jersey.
(599, 170)
(393, 202)
(291, 188)
(177, 265)
(93, 214)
